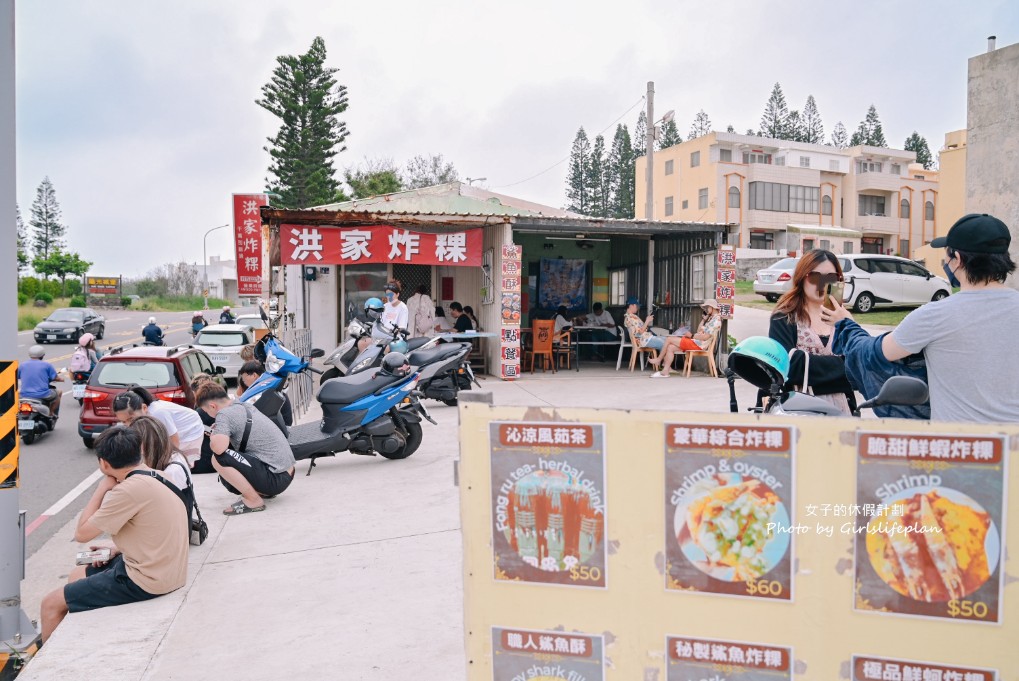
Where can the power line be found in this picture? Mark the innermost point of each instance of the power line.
(561, 161)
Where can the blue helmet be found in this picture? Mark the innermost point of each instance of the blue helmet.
(399, 345)
(373, 308)
(761, 361)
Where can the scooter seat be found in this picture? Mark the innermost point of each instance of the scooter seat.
(437, 354)
(415, 343)
(349, 389)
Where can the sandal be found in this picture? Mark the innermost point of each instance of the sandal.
(656, 363)
(240, 508)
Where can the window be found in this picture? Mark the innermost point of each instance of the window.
(783, 197)
(733, 197)
(756, 157)
(686, 204)
(702, 275)
(826, 205)
(695, 159)
(847, 247)
(804, 161)
(912, 270)
(617, 287)
(904, 247)
(872, 244)
(904, 208)
(144, 373)
(868, 167)
(863, 265)
(928, 211)
(834, 165)
(764, 240)
(825, 245)
(222, 339)
(808, 245)
(204, 363)
(668, 205)
(725, 155)
(884, 266)
(702, 198)
(780, 160)
(871, 205)
(896, 169)
(669, 167)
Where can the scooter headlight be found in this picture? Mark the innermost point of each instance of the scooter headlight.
(273, 364)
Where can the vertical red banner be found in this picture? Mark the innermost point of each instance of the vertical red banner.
(248, 241)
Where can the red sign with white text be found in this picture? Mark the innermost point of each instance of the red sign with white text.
(326, 245)
(248, 240)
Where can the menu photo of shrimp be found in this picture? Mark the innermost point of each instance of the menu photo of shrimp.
(548, 503)
(934, 545)
(728, 504)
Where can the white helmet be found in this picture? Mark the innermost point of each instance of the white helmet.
(152, 320)
(226, 308)
(37, 352)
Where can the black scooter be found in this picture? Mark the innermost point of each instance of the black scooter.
(36, 417)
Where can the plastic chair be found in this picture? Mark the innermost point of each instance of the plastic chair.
(708, 353)
(541, 343)
(641, 351)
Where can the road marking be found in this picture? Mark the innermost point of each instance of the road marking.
(63, 502)
(118, 319)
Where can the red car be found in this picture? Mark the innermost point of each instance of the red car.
(166, 372)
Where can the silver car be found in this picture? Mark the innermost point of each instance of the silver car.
(775, 280)
(223, 344)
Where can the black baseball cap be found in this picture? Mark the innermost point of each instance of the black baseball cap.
(976, 233)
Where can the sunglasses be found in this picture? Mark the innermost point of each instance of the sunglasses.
(820, 280)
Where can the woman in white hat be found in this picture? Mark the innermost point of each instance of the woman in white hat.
(711, 323)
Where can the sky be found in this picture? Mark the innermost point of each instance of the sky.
(143, 115)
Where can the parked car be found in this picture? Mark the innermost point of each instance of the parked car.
(68, 324)
(223, 344)
(255, 322)
(166, 372)
(888, 281)
(776, 279)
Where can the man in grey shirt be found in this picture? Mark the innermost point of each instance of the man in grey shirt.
(256, 465)
(967, 338)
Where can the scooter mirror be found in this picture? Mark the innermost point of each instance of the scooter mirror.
(902, 391)
(261, 312)
(316, 353)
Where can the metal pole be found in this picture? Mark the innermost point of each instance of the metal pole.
(205, 264)
(649, 173)
(16, 630)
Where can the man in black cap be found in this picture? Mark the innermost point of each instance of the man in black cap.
(968, 338)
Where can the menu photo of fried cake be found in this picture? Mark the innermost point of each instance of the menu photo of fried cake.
(723, 530)
(938, 546)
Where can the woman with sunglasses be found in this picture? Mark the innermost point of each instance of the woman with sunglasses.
(796, 323)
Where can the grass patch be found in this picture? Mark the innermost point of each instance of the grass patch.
(745, 288)
(29, 315)
(177, 303)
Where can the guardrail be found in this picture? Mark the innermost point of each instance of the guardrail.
(301, 387)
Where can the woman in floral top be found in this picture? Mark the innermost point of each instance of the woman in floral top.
(710, 325)
(667, 346)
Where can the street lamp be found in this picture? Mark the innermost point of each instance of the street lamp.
(205, 264)
(472, 180)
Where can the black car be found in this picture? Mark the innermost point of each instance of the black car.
(69, 324)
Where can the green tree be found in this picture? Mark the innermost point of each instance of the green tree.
(730, 128)
(45, 221)
(639, 138)
(374, 177)
(23, 240)
(61, 264)
(813, 128)
(776, 111)
(427, 171)
(794, 127)
(839, 138)
(621, 174)
(701, 126)
(597, 180)
(923, 153)
(577, 196)
(669, 135)
(869, 131)
(304, 95)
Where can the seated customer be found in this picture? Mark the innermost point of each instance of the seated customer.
(710, 325)
(561, 322)
(667, 346)
(442, 324)
(149, 527)
(461, 322)
(251, 455)
(606, 331)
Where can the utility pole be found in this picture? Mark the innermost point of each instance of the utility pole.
(17, 632)
(649, 174)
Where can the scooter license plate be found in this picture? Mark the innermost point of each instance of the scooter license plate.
(78, 391)
(26, 424)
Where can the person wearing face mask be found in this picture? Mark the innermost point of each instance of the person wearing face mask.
(798, 324)
(395, 315)
(967, 338)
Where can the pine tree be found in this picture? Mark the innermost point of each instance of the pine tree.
(701, 125)
(639, 138)
(773, 121)
(730, 128)
(23, 240)
(813, 129)
(923, 152)
(838, 136)
(877, 137)
(869, 132)
(794, 127)
(622, 175)
(670, 136)
(304, 95)
(595, 180)
(48, 231)
(577, 198)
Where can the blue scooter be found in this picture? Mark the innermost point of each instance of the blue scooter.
(369, 413)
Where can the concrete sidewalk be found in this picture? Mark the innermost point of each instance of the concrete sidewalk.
(353, 573)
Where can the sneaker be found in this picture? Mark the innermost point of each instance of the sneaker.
(659, 374)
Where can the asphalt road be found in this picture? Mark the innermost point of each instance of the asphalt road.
(57, 465)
